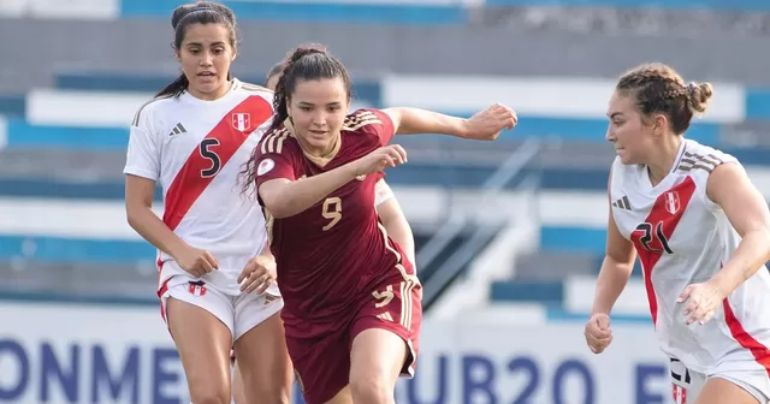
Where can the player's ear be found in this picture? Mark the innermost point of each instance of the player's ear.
(661, 123)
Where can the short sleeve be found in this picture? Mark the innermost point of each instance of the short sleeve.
(375, 122)
(143, 154)
(273, 158)
(715, 158)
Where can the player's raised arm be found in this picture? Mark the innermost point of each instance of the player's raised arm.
(484, 125)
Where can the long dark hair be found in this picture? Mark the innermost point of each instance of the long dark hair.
(308, 62)
(202, 12)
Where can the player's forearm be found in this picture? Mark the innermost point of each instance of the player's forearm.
(266, 252)
(612, 279)
(292, 197)
(402, 234)
(151, 228)
(397, 227)
(752, 252)
(415, 120)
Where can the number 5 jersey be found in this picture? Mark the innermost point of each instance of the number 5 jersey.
(195, 149)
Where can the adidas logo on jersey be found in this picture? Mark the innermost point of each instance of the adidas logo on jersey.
(178, 129)
(622, 203)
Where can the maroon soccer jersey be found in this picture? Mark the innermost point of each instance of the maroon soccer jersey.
(331, 255)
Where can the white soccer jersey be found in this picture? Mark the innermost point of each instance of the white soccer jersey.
(196, 150)
(683, 237)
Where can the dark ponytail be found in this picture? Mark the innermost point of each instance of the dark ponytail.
(202, 12)
(174, 88)
(309, 62)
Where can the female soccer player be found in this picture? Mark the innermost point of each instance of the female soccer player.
(388, 210)
(352, 301)
(702, 233)
(216, 282)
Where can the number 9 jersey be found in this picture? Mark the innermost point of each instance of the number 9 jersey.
(682, 237)
(332, 255)
(195, 149)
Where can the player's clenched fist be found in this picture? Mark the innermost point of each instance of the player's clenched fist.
(196, 261)
(598, 332)
(380, 159)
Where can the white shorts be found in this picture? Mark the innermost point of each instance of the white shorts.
(687, 384)
(239, 313)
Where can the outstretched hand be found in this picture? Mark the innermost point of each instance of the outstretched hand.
(488, 123)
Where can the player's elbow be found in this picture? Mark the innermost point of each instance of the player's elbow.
(277, 199)
(277, 212)
(619, 263)
(278, 207)
(133, 215)
(764, 234)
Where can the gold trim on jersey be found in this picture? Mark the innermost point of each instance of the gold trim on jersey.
(135, 121)
(254, 87)
(359, 120)
(269, 222)
(409, 283)
(276, 143)
(406, 303)
(395, 252)
(265, 140)
(273, 142)
(320, 161)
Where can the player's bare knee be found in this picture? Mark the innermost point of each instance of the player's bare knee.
(274, 395)
(371, 390)
(209, 395)
(282, 398)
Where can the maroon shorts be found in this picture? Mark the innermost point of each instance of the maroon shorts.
(322, 365)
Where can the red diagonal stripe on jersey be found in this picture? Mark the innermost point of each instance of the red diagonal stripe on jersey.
(188, 184)
(761, 352)
(660, 215)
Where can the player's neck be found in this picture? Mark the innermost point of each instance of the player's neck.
(663, 159)
(322, 155)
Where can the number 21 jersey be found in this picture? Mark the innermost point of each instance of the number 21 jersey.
(682, 237)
